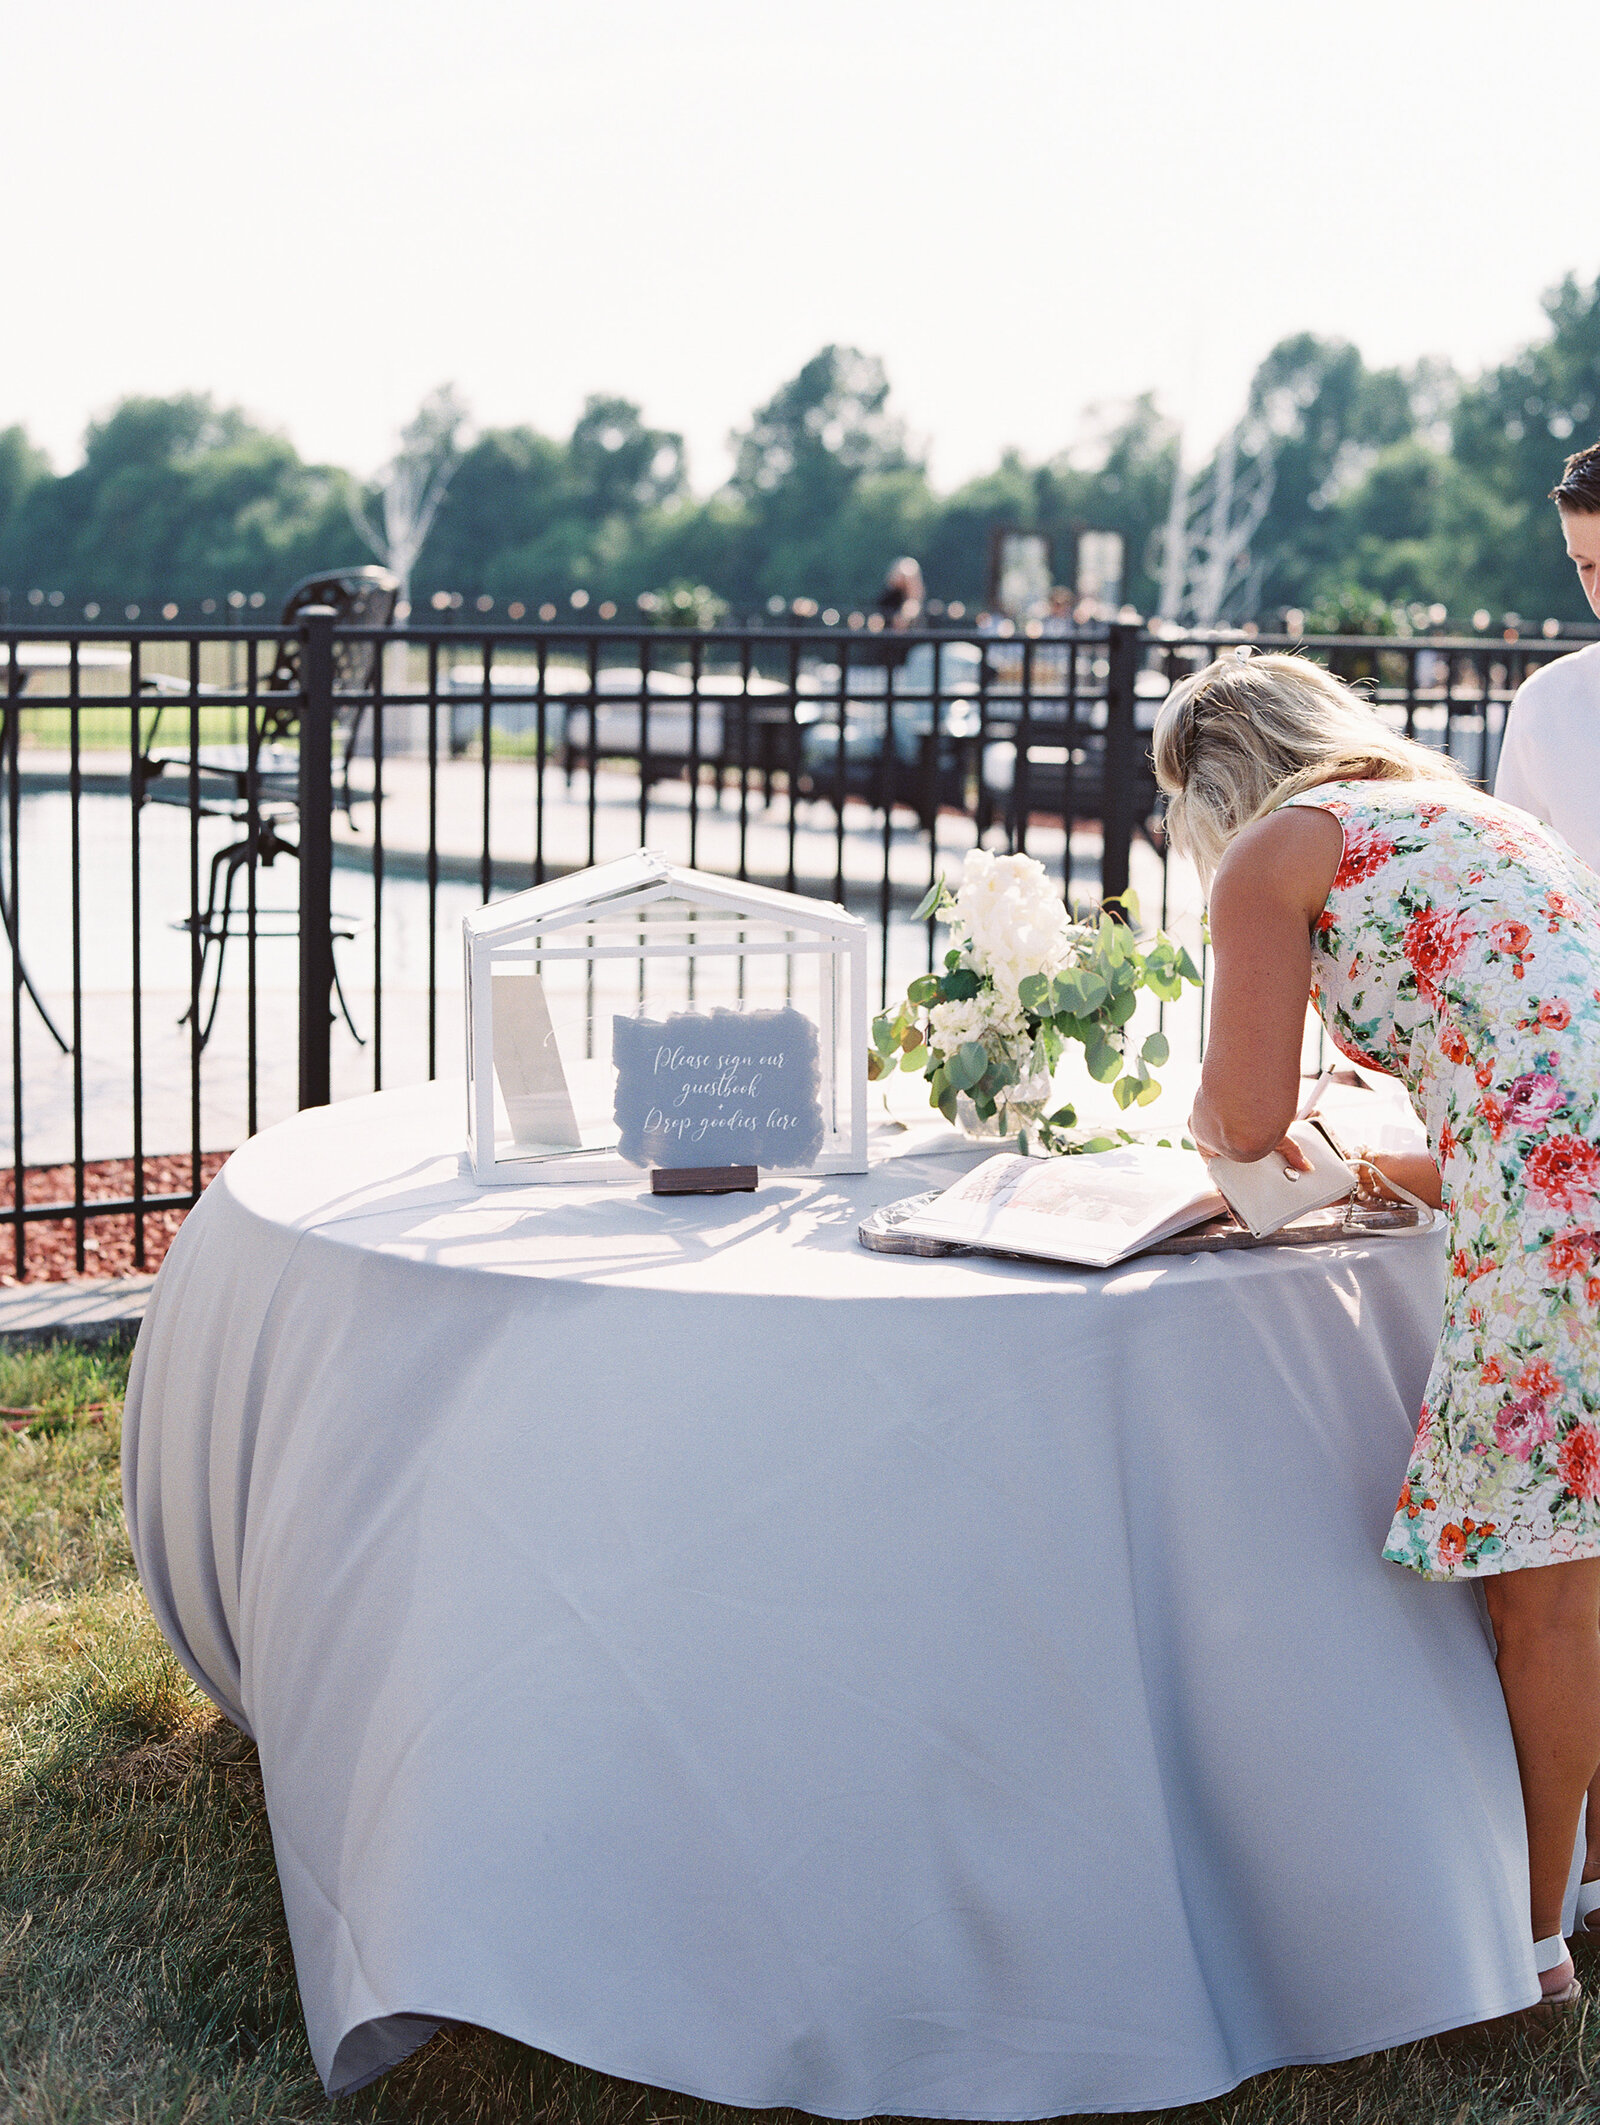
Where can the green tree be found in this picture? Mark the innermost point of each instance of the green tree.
(1513, 428)
(178, 498)
(802, 463)
(621, 468)
(22, 468)
(1325, 417)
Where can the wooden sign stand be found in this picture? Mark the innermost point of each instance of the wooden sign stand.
(702, 1180)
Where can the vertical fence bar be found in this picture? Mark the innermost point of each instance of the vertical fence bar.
(379, 703)
(199, 942)
(592, 727)
(643, 728)
(252, 867)
(136, 775)
(13, 799)
(433, 859)
(75, 778)
(486, 747)
(316, 854)
(541, 714)
(696, 659)
(1124, 649)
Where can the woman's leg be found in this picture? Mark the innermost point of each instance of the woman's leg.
(1591, 1821)
(1547, 1632)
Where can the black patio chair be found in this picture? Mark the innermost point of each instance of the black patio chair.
(220, 776)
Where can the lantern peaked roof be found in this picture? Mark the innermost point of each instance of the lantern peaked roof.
(644, 878)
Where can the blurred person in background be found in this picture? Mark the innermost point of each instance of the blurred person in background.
(900, 603)
(901, 598)
(1061, 613)
(1550, 757)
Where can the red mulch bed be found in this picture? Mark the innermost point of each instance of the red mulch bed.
(50, 1251)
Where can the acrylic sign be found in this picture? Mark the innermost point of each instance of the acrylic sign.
(718, 1088)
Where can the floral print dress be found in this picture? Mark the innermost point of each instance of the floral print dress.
(1459, 949)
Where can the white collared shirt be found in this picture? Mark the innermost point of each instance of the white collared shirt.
(1550, 758)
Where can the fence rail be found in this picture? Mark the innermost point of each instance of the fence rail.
(157, 784)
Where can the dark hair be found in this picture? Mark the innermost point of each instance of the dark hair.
(1578, 488)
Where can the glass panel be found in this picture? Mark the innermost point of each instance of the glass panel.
(727, 1029)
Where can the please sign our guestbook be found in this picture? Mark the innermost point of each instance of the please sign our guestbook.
(718, 1088)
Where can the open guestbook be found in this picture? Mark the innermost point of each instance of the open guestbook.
(1096, 1209)
(1099, 1208)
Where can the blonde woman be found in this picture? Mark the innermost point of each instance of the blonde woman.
(1454, 942)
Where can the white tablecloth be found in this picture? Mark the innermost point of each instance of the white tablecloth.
(693, 1645)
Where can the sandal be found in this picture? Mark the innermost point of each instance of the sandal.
(1550, 1955)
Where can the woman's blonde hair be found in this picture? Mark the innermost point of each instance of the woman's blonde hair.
(1234, 741)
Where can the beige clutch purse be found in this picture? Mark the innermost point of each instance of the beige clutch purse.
(1266, 1195)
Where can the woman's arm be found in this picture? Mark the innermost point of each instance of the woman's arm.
(1269, 889)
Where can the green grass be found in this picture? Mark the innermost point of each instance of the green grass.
(145, 1974)
(106, 730)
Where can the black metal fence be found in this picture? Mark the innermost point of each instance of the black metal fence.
(168, 996)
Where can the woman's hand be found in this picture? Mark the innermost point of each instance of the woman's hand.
(1286, 1149)
(1413, 1170)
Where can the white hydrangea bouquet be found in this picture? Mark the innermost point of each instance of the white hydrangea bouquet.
(1022, 978)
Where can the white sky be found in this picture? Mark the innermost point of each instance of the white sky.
(321, 210)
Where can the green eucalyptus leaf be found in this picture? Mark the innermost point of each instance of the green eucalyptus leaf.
(1101, 1143)
(1151, 1092)
(946, 1103)
(1157, 1048)
(1121, 1008)
(1103, 1060)
(914, 1059)
(960, 985)
(1125, 1091)
(958, 1068)
(1033, 992)
(882, 1035)
(1064, 1118)
(932, 900)
(924, 990)
(974, 1057)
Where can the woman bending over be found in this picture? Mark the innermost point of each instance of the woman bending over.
(1453, 942)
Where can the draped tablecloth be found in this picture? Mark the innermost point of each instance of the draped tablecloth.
(695, 1646)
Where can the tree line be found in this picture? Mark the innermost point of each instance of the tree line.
(1395, 490)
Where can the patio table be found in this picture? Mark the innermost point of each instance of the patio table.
(695, 1646)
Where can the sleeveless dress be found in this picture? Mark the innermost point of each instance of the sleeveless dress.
(1459, 949)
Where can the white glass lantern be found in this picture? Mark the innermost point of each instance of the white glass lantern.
(645, 1015)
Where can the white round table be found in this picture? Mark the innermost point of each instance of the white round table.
(693, 1645)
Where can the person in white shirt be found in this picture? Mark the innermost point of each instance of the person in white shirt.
(1550, 759)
